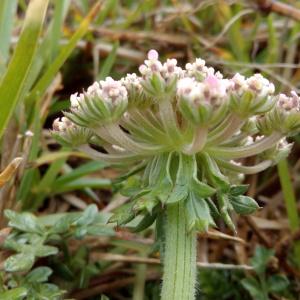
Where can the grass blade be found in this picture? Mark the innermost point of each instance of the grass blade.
(12, 84)
(109, 62)
(7, 12)
(48, 76)
(82, 183)
(83, 170)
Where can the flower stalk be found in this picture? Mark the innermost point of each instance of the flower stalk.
(179, 280)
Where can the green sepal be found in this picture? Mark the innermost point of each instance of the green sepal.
(244, 205)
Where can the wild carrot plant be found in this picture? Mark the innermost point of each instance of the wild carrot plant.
(187, 132)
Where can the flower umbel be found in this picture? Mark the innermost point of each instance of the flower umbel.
(186, 131)
(191, 112)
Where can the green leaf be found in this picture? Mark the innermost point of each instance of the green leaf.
(82, 183)
(60, 12)
(19, 262)
(13, 82)
(88, 216)
(201, 189)
(83, 170)
(277, 283)
(261, 258)
(40, 274)
(48, 76)
(198, 211)
(44, 250)
(80, 232)
(25, 222)
(14, 294)
(123, 214)
(237, 190)
(244, 205)
(224, 208)
(63, 224)
(253, 287)
(100, 230)
(147, 203)
(147, 220)
(179, 193)
(214, 175)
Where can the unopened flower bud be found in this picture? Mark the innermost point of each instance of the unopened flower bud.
(251, 96)
(199, 101)
(103, 102)
(285, 117)
(280, 151)
(70, 134)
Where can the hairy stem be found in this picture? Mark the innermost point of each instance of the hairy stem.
(169, 120)
(246, 151)
(140, 279)
(198, 142)
(179, 278)
(110, 158)
(233, 124)
(128, 143)
(245, 169)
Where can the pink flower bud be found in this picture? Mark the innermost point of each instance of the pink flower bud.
(152, 55)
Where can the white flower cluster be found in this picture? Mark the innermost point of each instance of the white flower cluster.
(69, 133)
(212, 90)
(289, 104)
(109, 90)
(189, 109)
(261, 86)
(62, 124)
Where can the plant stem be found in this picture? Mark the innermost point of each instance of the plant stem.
(288, 193)
(140, 278)
(198, 142)
(249, 150)
(290, 203)
(179, 278)
(169, 120)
